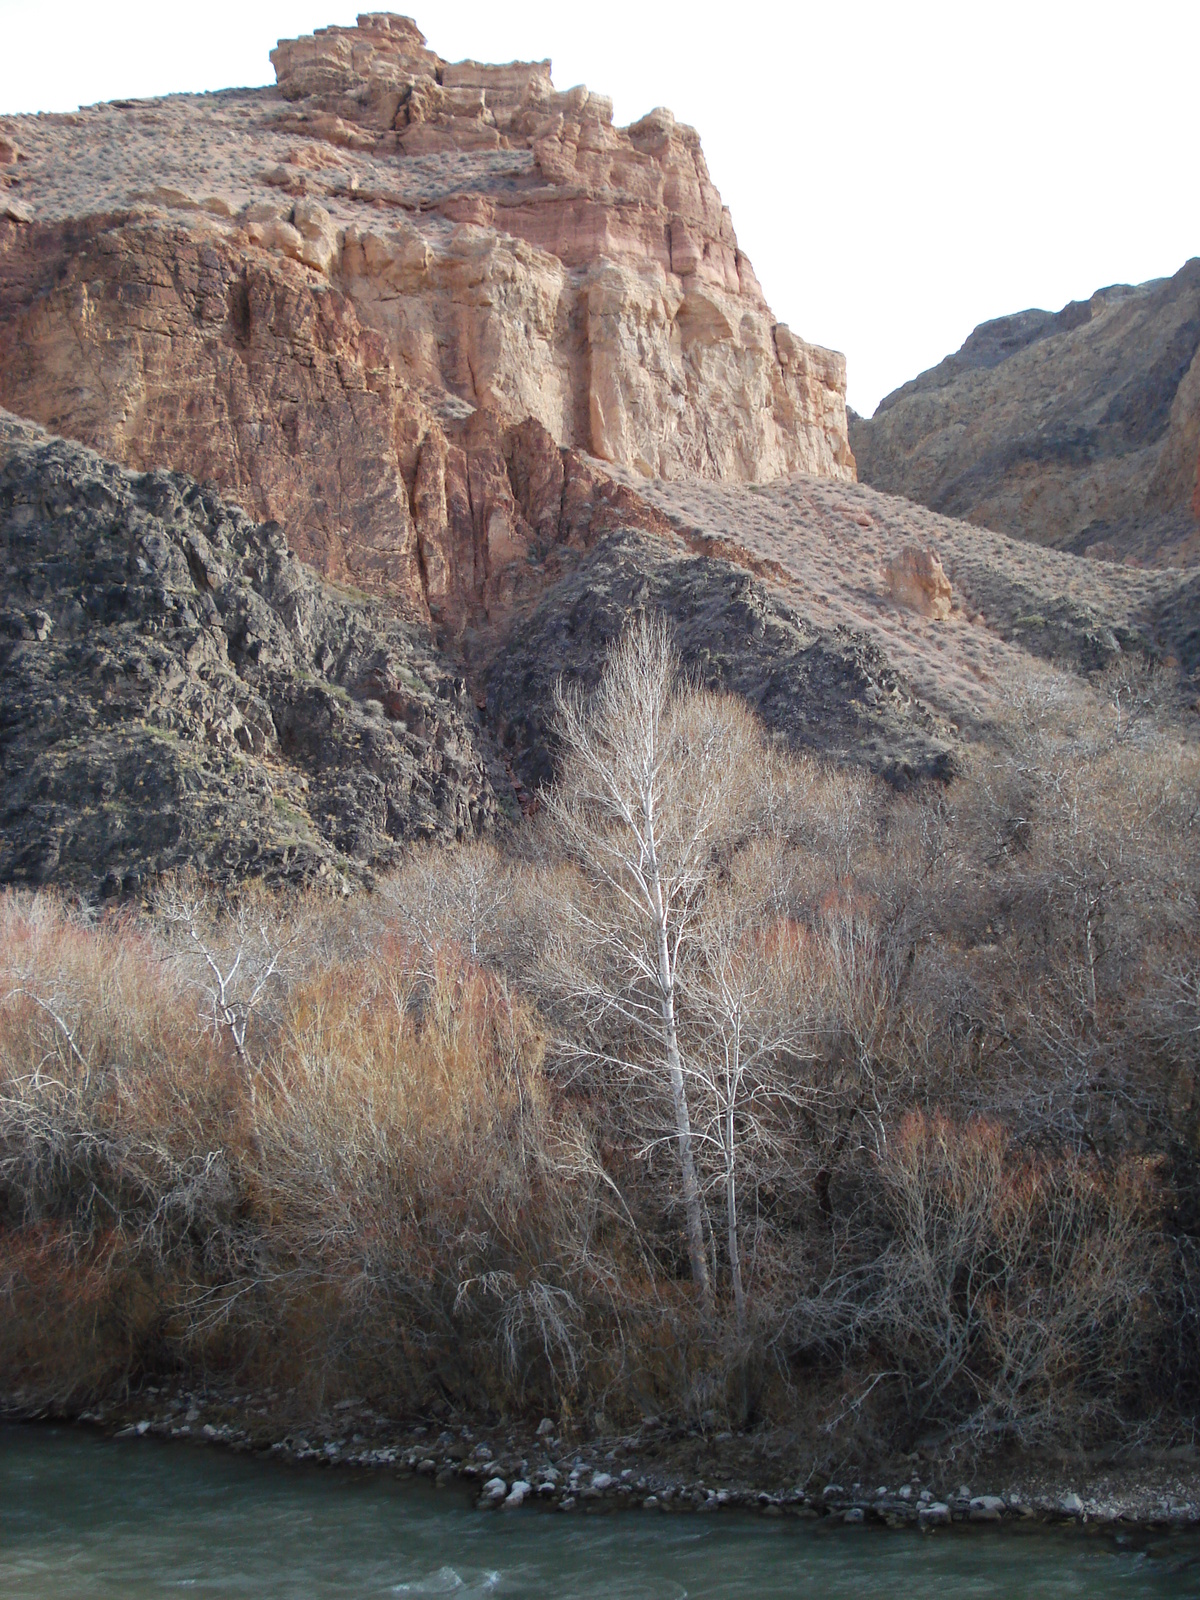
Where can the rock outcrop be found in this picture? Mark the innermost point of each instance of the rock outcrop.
(320, 296)
(916, 579)
(829, 690)
(179, 690)
(1079, 429)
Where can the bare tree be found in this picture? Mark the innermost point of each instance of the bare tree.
(458, 894)
(235, 954)
(747, 1031)
(649, 777)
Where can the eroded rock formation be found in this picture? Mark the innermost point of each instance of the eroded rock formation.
(916, 579)
(179, 690)
(1079, 429)
(337, 299)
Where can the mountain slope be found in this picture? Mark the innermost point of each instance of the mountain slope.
(180, 690)
(1079, 429)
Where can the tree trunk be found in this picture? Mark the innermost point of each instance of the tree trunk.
(692, 1203)
(735, 1254)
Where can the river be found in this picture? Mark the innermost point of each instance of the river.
(91, 1518)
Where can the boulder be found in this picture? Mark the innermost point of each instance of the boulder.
(915, 579)
(986, 1508)
(935, 1514)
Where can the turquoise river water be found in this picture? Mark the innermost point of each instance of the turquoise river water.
(86, 1517)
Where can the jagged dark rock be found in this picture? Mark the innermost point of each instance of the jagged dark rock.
(180, 690)
(830, 690)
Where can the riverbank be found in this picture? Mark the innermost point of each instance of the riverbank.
(89, 1517)
(661, 1468)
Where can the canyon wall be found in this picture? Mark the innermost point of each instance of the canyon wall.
(362, 301)
(1079, 428)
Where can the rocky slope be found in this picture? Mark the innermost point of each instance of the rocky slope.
(336, 298)
(821, 688)
(1002, 606)
(1079, 429)
(180, 690)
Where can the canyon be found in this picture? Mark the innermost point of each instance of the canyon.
(358, 301)
(346, 417)
(554, 878)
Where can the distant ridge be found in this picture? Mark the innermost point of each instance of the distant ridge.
(1078, 428)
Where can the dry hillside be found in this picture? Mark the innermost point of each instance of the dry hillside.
(1078, 428)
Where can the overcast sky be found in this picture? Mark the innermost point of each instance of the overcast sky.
(897, 172)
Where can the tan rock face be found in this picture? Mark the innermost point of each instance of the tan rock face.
(916, 579)
(158, 345)
(338, 298)
(594, 282)
(1079, 429)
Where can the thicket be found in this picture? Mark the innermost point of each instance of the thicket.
(737, 1087)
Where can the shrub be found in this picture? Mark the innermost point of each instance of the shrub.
(938, 1056)
(1013, 1295)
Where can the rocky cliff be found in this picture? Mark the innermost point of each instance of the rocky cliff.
(177, 689)
(1079, 429)
(338, 298)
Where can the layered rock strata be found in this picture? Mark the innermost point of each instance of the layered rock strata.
(1079, 429)
(185, 350)
(320, 296)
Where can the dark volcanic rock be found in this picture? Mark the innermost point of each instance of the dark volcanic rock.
(1176, 623)
(1079, 428)
(179, 689)
(828, 690)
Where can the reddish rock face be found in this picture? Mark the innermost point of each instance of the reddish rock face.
(917, 579)
(379, 302)
(153, 344)
(158, 346)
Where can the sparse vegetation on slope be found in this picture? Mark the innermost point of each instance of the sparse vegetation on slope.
(1076, 428)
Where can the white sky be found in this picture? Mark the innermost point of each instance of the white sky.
(897, 172)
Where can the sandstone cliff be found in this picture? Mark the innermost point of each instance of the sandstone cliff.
(1079, 428)
(338, 298)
